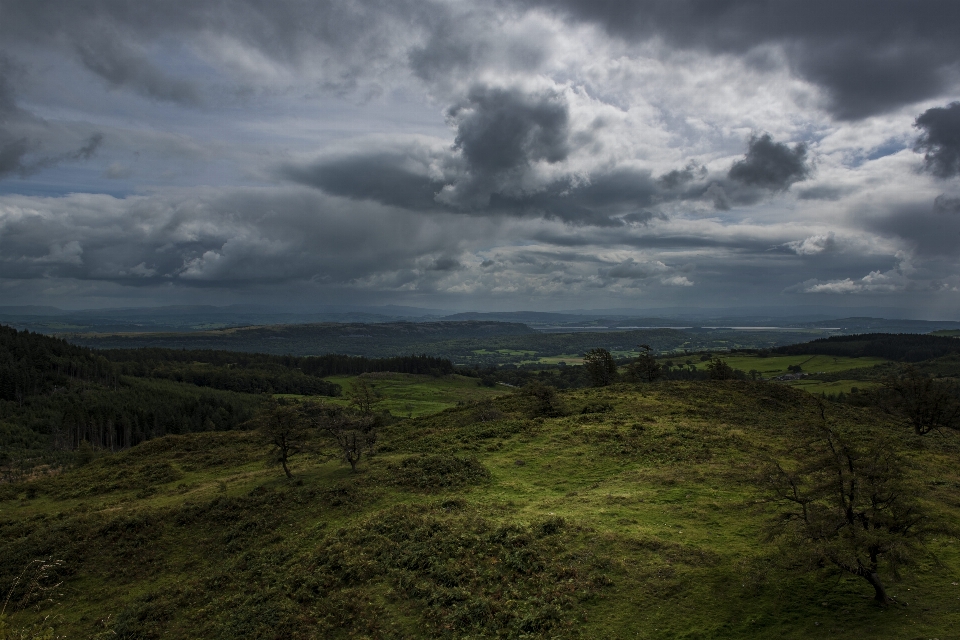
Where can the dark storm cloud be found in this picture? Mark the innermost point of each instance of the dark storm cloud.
(503, 129)
(870, 55)
(385, 177)
(210, 237)
(680, 177)
(501, 143)
(401, 178)
(940, 140)
(922, 231)
(770, 165)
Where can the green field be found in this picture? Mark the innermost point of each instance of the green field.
(412, 396)
(636, 514)
(830, 388)
(555, 360)
(774, 366)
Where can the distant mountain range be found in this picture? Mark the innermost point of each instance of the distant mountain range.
(187, 318)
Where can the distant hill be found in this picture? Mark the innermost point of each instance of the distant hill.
(902, 347)
(371, 340)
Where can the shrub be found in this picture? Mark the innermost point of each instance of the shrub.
(427, 472)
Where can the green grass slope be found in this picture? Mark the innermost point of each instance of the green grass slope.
(636, 514)
(410, 395)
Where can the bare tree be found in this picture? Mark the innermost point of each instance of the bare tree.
(364, 397)
(354, 434)
(847, 505)
(283, 426)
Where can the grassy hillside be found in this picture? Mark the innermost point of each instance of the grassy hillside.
(638, 513)
(412, 396)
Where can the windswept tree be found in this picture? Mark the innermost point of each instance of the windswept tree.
(645, 368)
(363, 396)
(845, 503)
(926, 403)
(284, 427)
(353, 434)
(601, 367)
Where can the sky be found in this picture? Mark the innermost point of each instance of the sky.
(501, 155)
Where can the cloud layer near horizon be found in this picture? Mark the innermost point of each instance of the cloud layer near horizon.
(516, 155)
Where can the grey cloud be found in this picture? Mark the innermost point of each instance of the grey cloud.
(940, 140)
(923, 232)
(643, 218)
(719, 196)
(89, 147)
(13, 147)
(503, 129)
(352, 38)
(12, 152)
(871, 56)
(85, 152)
(397, 178)
(448, 50)
(17, 127)
(771, 165)
(680, 177)
(122, 65)
(635, 270)
(117, 171)
(444, 263)
(823, 192)
(501, 134)
(216, 238)
(497, 145)
(946, 204)
(814, 245)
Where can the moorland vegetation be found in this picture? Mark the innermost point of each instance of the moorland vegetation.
(652, 498)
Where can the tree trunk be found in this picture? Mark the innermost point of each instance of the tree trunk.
(880, 593)
(286, 470)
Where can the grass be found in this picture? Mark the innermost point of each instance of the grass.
(818, 387)
(777, 365)
(570, 359)
(639, 518)
(409, 395)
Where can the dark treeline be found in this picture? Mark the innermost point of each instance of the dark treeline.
(902, 347)
(568, 377)
(264, 373)
(319, 366)
(55, 396)
(240, 380)
(116, 418)
(572, 377)
(32, 364)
